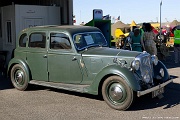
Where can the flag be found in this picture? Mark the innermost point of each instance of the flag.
(106, 17)
(161, 3)
(118, 18)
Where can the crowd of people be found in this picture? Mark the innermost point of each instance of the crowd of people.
(143, 39)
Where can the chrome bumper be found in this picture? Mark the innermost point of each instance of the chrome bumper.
(141, 93)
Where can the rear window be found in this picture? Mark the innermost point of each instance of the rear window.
(22, 40)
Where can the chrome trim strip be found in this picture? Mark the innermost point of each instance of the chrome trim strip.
(141, 93)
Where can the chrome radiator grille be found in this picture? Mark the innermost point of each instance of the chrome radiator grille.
(146, 68)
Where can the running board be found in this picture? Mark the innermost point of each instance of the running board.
(70, 87)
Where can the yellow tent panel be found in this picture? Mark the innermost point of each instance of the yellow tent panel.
(118, 33)
(133, 23)
(126, 34)
(155, 25)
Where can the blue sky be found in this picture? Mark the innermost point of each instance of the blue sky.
(128, 10)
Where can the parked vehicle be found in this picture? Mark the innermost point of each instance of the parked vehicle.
(77, 58)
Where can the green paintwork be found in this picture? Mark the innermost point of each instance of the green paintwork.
(67, 68)
(88, 67)
(158, 67)
(18, 61)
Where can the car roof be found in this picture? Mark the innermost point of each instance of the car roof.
(65, 28)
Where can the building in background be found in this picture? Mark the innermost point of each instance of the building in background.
(16, 15)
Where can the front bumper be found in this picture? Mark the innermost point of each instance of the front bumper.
(141, 93)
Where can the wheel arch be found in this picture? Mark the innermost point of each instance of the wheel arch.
(114, 70)
(18, 61)
(157, 69)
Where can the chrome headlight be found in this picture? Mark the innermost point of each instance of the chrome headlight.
(135, 65)
(161, 72)
(154, 59)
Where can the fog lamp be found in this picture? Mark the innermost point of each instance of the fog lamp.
(161, 72)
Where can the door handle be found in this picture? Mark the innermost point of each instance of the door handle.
(44, 56)
(74, 58)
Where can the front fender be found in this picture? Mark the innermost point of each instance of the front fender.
(123, 72)
(18, 61)
(157, 69)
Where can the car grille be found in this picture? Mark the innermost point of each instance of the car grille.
(146, 68)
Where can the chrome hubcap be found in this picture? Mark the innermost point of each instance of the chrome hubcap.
(19, 77)
(116, 92)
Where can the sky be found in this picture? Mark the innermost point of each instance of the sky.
(138, 10)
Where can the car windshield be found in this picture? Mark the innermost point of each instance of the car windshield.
(90, 39)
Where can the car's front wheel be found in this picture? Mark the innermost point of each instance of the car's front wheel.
(19, 77)
(117, 93)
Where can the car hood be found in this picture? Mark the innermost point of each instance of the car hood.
(95, 59)
(111, 52)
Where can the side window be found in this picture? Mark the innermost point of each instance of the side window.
(22, 40)
(37, 40)
(59, 41)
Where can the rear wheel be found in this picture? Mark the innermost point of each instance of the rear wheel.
(116, 93)
(19, 77)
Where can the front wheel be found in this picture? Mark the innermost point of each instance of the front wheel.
(19, 77)
(116, 93)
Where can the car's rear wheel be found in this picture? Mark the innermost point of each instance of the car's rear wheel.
(19, 77)
(117, 93)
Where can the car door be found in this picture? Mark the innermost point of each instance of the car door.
(37, 55)
(63, 63)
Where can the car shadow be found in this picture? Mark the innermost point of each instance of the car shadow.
(147, 102)
(143, 103)
(5, 83)
(85, 95)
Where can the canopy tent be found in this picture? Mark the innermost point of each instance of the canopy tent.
(174, 23)
(155, 25)
(119, 25)
(133, 24)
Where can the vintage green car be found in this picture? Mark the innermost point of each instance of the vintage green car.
(77, 58)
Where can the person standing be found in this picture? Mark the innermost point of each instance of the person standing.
(177, 46)
(142, 29)
(148, 38)
(137, 42)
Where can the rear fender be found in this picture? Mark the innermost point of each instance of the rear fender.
(17, 61)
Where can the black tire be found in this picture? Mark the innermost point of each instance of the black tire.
(19, 77)
(117, 94)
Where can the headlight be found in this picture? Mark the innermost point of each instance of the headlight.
(161, 72)
(135, 65)
(154, 58)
